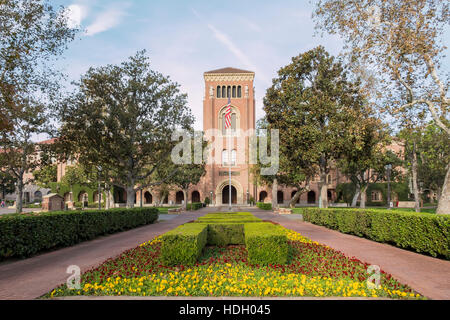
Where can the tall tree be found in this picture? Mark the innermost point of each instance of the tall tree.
(6, 184)
(127, 113)
(401, 41)
(45, 175)
(312, 102)
(32, 36)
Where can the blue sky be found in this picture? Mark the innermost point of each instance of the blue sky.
(186, 38)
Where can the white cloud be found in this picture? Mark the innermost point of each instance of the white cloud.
(75, 15)
(106, 20)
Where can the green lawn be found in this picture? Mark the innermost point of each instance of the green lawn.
(163, 210)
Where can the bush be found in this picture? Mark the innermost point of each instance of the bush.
(223, 234)
(184, 244)
(266, 243)
(194, 206)
(264, 206)
(25, 235)
(422, 232)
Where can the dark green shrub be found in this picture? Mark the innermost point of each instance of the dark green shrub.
(194, 206)
(422, 232)
(264, 206)
(184, 244)
(266, 243)
(25, 235)
(222, 234)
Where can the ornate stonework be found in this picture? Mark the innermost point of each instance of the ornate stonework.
(216, 77)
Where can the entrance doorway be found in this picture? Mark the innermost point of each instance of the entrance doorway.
(226, 194)
(311, 197)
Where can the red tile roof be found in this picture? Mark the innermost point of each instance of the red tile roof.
(228, 70)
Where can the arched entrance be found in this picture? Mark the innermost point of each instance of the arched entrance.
(280, 197)
(179, 197)
(329, 195)
(148, 198)
(195, 196)
(262, 196)
(311, 197)
(226, 195)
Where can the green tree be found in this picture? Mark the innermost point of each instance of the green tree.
(74, 175)
(312, 102)
(401, 42)
(45, 175)
(123, 116)
(32, 36)
(6, 184)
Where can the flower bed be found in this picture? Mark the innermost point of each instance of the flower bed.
(312, 270)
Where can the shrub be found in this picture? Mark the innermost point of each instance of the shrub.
(266, 243)
(194, 206)
(264, 206)
(25, 235)
(422, 232)
(184, 244)
(222, 234)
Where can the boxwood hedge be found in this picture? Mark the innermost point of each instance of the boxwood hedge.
(264, 206)
(422, 232)
(25, 235)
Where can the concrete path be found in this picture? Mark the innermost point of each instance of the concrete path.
(427, 275)
(35, 276)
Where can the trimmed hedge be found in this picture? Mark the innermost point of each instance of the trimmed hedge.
(184, 244)
(266, 243)
(194, 206)
(264, 206)
(223, 234)
(25, 235)
(422, 232)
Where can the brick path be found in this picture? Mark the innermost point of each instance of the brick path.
(35, 276)
(427, 275)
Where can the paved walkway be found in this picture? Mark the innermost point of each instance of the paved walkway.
(35, 276)
(427, 275)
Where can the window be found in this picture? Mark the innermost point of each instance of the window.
(239, 92)
(329, 179)
(218, 91)
(233, 123)
(234, 92)
(224, 94)
(225, 156)
(376, 196)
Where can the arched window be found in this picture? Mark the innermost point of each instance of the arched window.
(218, 91)
(233, 123)
(329, 179)
(239, 92)
(234, 92)
(225, 156)
(229, 92)
(224, 92)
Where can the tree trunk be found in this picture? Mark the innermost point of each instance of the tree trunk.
(414, 179)
(362, 203)
(274, 194)
(323, 190)
(130, 196)
(19, 195)
(355, 197)
(295, 199)
(185, 199)
(444, 200)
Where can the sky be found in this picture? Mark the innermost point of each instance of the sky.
(184, 39)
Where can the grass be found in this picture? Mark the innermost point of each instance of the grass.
(312, 270)
(164, 210)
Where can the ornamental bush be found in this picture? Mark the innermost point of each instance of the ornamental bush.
(266, 243)
(194, 206)
(422, 232)
(25, 235)
(264, 206)
(223, 234)
(184, 244)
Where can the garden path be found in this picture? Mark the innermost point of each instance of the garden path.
(31, 278)
(427, 275)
